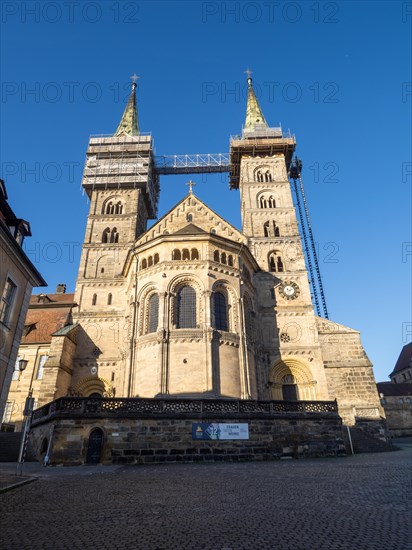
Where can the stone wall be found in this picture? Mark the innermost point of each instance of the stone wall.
(167, 437)
(349, 372)
(398, 411)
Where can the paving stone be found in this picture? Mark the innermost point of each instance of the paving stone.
(354, 503)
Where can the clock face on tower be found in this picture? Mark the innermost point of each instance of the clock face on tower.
(289, 290)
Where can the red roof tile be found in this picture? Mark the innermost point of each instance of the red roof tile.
(45, 318)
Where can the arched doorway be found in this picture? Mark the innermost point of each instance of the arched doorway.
(93, 386)
(291, 380)
(94, 447)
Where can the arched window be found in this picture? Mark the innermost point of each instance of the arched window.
(230, 260)
(223, 258)
(109, 300)
(156, 258)
(276, 230)
(189, 218)
(220, 316)
(153, 313)
(186, 308)
(268, 176)
(194, 254)
(185, 254)
(266, 229)
(216, 256)
(259, 175)
(271, 202)
(105, 235)
(150, 261)
(109, 208)
(119, 208)
(275, 263)
(94, 300)
(144, 263)
(114, 237)
(176, 254)
(263, 202)
(272, 264)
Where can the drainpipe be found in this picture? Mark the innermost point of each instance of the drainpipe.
(245, 353)
(132, 339)
(245, 360)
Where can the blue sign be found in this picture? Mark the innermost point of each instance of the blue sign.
(207, 430)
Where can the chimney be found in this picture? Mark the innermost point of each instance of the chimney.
(61, 289)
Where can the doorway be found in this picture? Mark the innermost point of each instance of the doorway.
(94, 447)
(289, 388)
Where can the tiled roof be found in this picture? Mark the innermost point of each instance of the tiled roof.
(404, 359)
(190, 229)
(35, 299)
(47, 317)
(392, 389)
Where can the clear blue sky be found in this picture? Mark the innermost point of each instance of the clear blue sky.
(338, 74)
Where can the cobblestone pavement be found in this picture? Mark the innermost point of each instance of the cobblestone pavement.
(358, 503)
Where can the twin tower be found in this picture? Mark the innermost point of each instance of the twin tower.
(193, 306)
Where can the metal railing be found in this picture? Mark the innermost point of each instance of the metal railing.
(196, 163)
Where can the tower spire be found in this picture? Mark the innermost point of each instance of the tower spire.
(129, 123)
(254, 113)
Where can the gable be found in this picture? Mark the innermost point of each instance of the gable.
(325, 326)
(191, 216)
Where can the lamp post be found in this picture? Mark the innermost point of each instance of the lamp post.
(28, 409)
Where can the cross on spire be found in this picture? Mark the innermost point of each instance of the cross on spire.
(134, 79)
(190, 184)
(249, 78)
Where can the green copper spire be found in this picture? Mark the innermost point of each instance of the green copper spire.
(254, 113)
(130, 123)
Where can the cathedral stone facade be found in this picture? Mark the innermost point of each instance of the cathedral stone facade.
(194, 307)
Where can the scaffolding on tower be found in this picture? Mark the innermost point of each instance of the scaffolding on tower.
(295, 174)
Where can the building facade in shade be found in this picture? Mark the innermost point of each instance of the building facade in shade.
(396, 395)
(17, 278)
(193, 306)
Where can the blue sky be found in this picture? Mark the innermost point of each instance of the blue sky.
(338, 74)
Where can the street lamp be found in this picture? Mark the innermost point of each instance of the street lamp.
(22, 364)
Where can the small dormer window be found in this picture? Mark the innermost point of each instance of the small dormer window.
(19, 237)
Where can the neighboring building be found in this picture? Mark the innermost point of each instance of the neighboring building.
(403, 369)
(396, 395)
(194, 307)
(17, 278)
(47, 334)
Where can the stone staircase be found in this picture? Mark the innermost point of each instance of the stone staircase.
(365, 443)
(10, 445)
